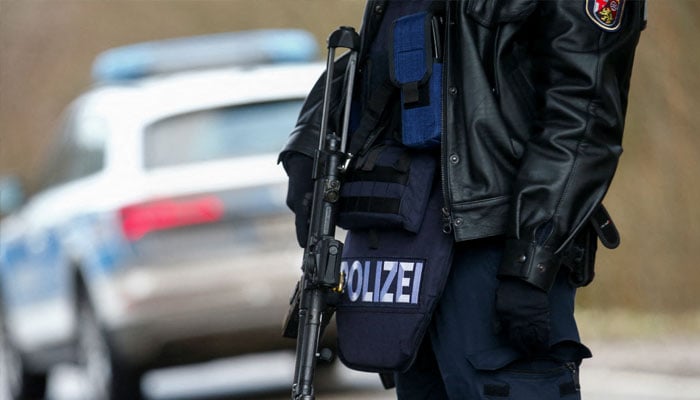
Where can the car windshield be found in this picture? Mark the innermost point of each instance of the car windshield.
(227, 132)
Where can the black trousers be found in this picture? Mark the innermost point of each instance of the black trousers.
(462, 358)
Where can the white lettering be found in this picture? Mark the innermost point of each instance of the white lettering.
(416, 283)
(354, 290)
(377, 281)
(402, 282)
(367, 295)
(392, 281)
(386, 296)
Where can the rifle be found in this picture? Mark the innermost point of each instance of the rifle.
(320, 285)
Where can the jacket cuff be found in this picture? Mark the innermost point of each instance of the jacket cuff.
(534, 264)
(304, 140)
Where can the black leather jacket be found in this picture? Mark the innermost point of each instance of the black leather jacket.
(534, 109)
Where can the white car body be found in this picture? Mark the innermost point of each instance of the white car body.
(154, 309)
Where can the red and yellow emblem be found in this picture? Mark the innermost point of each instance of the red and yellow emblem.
(607, 14)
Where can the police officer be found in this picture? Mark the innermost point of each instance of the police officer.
(533, 97)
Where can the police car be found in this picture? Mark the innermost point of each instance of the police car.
(159, 235)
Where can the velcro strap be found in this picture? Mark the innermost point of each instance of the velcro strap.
(403, 164)
(372, 116)
(368, 160)
(378, 174)
(410, 93)
(383, 205)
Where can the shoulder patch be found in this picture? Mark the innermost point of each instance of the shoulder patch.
(607, 14)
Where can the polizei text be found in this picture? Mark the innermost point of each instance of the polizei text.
(382, 281)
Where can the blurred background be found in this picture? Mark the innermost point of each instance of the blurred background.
(642, 313)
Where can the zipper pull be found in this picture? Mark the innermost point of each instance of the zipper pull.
(446, 221)
(574, 375)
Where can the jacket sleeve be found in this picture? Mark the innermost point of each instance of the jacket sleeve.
(305, 136)
(582, 76)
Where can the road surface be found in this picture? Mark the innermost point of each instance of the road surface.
(623, 370)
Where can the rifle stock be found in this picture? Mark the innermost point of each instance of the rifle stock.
(319, 287)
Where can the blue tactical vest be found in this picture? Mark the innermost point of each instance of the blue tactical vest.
(396, 258)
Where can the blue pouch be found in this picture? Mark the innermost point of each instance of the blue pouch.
(415, 66)
(394, 280)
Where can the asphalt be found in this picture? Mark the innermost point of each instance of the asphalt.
(650, 369)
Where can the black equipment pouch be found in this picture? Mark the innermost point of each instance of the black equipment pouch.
(579, 257)
(393, 281)
(387, 188)
(415, 66)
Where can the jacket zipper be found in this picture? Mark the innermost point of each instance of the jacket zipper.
(446, 209)
(446, 220)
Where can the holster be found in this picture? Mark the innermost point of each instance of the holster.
(579, 256)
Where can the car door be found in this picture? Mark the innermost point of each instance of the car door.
(36, 268)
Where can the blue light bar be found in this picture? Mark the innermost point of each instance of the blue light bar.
(253, 47)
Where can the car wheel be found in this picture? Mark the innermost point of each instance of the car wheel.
(108, 377)
(16, 383)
